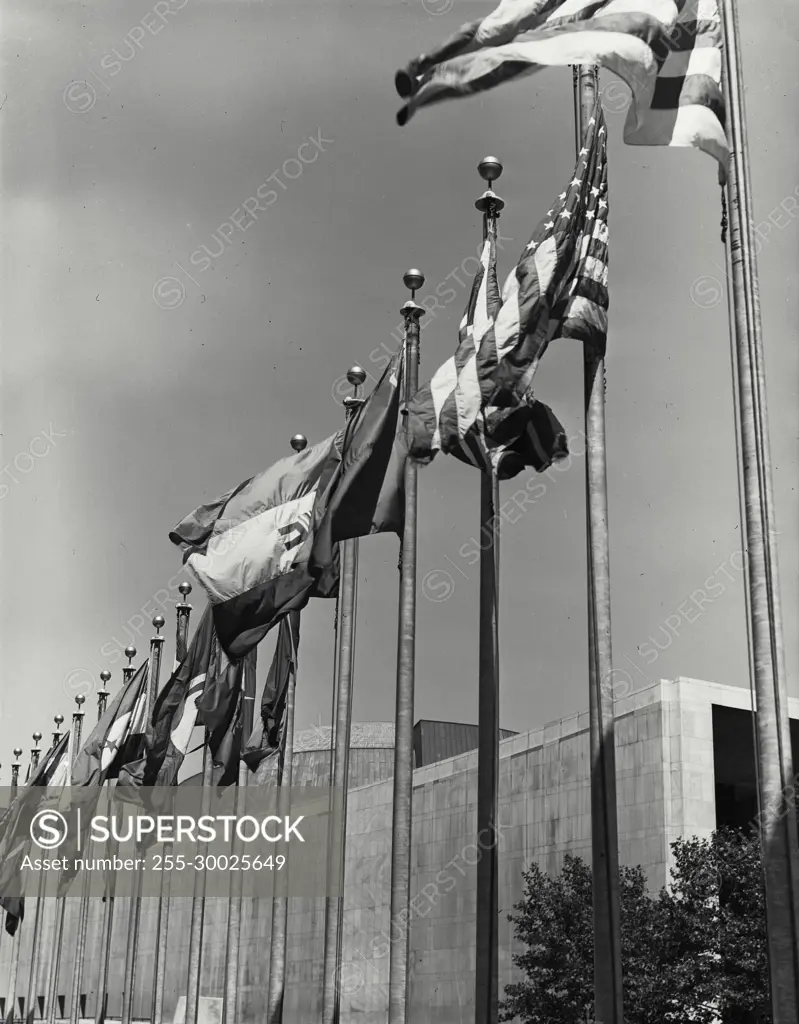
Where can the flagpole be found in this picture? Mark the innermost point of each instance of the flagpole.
(183, 612)
(198, 904)
(406, 664)
(61, 901)
(38, 920)
(235, 915)
(108, 910)
(280, 906)
(777, 818)
(341, 752)
(608, 993)
(83, 916)
(486, 1005)
(134, 916)
(14, 966)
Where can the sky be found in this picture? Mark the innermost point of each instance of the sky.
(160, 345)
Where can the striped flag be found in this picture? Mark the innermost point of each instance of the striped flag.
(667, 51)
(457, 412)
(559, 288)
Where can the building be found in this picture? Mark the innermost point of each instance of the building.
(685, 764)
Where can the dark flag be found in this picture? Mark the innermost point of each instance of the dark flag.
(367, 488)
(227, 739)
(15, 826)
(268, 733)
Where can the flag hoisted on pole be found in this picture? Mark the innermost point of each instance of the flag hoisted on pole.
(777, 817)
(230, 1004)
(286, 664)
(340, 749)
(108, 909)
(38, 920)
(54, 968)
(134, 917)
(17, 917)
(83, 915)
(608, 990)
(402, 809)
(486, 1000)
(183, 612)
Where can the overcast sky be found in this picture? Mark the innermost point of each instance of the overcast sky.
(130, 141)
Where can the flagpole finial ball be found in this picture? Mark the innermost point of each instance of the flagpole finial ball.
(18, 752)
(356, 375)
(80, 700)
(158, 621)
(130, 653)
(489, 169)
(413, 279)
(105, 676)
(299, 442)
(59, 721)
(37, 736)
(185, 588)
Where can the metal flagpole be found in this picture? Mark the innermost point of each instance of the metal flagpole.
(406, 664)
(83, 917)
(61, 901)
(341, 752)
(14, 966)
(486, 1006)
(183, 611)
(134, 916)
(608, 993)
(198, 903)
(777, 816)
(234, 924)
(38, 920)
(280, 904)
(108, 910)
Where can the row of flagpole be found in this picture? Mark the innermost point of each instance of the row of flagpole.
(777, 818)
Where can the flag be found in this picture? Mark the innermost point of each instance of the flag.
(15, 826)
(118, 737)
(366, 490)
(559, 287)
(249, 550)
(227, 741)
(268, 734)
(268, 546)
(175, 713)
(667, 51)
(453, 412)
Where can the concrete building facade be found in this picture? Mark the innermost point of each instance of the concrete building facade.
(685, 764)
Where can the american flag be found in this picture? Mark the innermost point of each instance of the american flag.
(453, 412)
(667, 51)
(559, 288)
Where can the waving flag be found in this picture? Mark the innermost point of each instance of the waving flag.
(15, 826)
(269, 731)
(118, 736)
(268, 546)
(667, 51)
(559, 288)
(454, 412)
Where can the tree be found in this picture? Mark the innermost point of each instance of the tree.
(691, 955)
